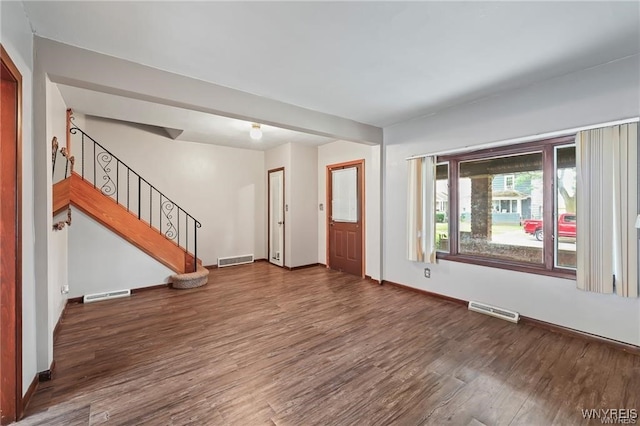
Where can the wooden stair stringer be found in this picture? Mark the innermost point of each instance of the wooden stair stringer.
(81, 194)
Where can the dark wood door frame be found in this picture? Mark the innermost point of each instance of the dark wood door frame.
(284, 229)
(361, 210)
(11, 242)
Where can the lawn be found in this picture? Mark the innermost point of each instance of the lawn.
(443, 228)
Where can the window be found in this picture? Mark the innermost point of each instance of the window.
(565, 211)
(503, 210)
(508, 182)
(442, 207)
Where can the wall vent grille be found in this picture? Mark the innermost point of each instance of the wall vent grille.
(104, 296)
(494, 311)
(235, 260)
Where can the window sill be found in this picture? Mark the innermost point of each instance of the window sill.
(504, 264)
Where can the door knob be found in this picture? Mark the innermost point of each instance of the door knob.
(281, 223)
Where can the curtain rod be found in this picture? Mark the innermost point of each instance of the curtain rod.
(524, 139)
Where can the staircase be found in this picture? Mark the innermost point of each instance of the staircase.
(103, 187)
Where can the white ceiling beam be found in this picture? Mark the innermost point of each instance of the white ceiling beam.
(83, 68)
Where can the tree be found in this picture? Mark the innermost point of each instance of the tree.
(569, 200)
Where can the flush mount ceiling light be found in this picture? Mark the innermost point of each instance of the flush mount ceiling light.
(256, 132)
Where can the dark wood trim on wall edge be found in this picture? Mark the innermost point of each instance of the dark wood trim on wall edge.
(427, 293)
(56, 329)
(311, 265)
(554, 328)
(30, 391)
(46, 375)
(80, 299)
(151, 287)
(571, 332)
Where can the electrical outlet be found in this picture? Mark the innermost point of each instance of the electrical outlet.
(65, 289)
(427, 273)
(321, 207)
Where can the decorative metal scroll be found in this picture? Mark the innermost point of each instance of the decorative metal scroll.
(167, 210)
(104, 160)
(113, 178)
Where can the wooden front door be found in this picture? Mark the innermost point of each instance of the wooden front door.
(345, 217)
(10, 245)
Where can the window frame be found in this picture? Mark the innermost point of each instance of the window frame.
(513, 182)
(547, 148)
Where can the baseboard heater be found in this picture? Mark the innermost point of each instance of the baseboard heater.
(235, 260)
(88, 298)
(494, 311)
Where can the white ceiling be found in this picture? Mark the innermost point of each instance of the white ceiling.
(374, 62)
(182, 124)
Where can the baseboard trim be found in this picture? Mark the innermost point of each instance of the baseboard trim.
(151, 287)
(554, 328)
(30, 391)
(210, 267)
(46, 375)
(56, 329)
(571, 332)
(75, 300)
(295, 268)
(427, 293)
(368, 278)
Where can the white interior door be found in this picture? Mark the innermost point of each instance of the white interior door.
(276, 217)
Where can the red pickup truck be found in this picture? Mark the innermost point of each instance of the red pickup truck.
(566, 226)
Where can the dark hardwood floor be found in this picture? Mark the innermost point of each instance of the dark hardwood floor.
(260, 345)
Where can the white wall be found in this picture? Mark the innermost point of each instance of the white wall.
(275, 158)
(17, 39)
(303, 205)
(300, 195)
(601, 94)
(58, 253)
(103, 261)
(340, 152)
(222, 187)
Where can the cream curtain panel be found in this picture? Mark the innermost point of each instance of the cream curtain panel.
(421, 210)
(607, 197)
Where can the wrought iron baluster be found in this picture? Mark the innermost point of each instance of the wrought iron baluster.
(104, 159)
(167, 208)
(139, 204)
(117, 179)
(195, 245)
(82, 156)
